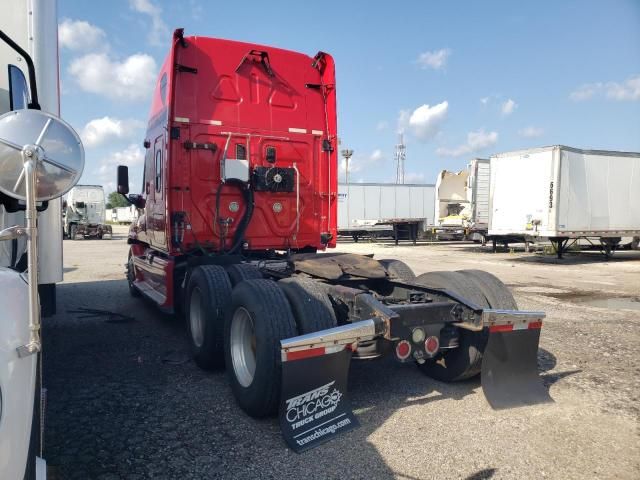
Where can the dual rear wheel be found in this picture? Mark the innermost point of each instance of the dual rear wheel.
(236, 320)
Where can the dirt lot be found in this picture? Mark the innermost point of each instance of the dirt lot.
(126, 401)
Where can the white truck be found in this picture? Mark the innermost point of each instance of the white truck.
(41, 158)
(461, 202)
(562, 194)
(33, 25)
(84, 213)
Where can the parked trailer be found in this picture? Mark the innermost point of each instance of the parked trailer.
(125, 215)
(452, 205)
(84, 213)
(377, 209)
(561, 194)
(478, 186)
(240, 195)
(41, 158)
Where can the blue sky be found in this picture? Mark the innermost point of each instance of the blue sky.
(460, 79)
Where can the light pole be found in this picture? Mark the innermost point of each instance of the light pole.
(347, 154)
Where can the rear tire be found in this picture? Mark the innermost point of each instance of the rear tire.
(207, 299)
(258, 318)
(465, 361)
(497, 293)
(131, 277)
(239, 272)
(398, 268)
(309, 303)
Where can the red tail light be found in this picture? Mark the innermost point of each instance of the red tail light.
(403, 350)
(432, 345)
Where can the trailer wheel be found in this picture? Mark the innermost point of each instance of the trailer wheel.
(398, 268)
(497, 293)
(465, 361)
(258, 318)
(239, 272)
(208, 294)
(310, 304)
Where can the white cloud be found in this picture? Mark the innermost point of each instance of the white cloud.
(132, 156)
(425, 121)
(508, 107)
(484, 100)
(359, 163)
(476, 141)
(531, 132)
(629, 90)
(80, 35)
(101, 130)
(436, 59)
(131, 79)
(159, 33)
(585, 92)
(382, 125)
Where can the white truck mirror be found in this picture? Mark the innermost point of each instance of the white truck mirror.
(41, 158)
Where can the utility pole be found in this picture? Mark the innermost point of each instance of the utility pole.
(347, 154)
(399, 157)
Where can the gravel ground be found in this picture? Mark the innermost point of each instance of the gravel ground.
(126, 401)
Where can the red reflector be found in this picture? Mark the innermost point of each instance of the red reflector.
(308, 353)
(431, 345)
(500, 328)
(533, 325)
(403, 350)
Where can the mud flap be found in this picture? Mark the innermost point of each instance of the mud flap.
(510, 369)
(314, 405)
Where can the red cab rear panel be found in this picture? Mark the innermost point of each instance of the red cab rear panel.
(273, 108)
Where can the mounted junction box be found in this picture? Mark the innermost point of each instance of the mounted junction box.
(234, 169)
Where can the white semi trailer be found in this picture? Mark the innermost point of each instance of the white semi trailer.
(33, 25)
(377, 209)
(41, 158)
(562, 194)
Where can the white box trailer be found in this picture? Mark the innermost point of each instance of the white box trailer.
(125, 215)
(478, 187)
(559, 193)
(366, 208)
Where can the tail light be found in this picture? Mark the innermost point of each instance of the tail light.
(431, 345)
(403, 350)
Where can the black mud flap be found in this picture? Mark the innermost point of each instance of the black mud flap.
(510, 369)
(314, 405)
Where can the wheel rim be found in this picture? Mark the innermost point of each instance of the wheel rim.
(243, 346)
(196, 317)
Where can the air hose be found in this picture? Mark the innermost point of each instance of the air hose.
(238, 236)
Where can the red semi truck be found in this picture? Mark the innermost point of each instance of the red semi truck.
(239, 203)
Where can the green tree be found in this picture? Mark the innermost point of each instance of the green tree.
(115, 200)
